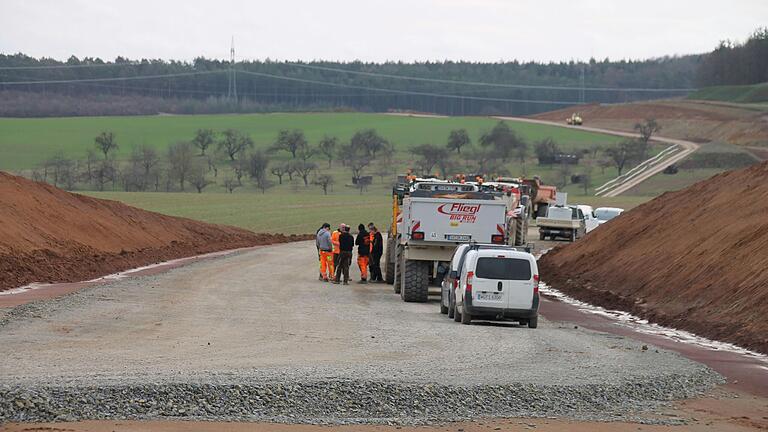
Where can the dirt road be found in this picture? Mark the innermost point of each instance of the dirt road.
(686, 148)
(254, 336)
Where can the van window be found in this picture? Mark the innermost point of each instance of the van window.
(503, 268)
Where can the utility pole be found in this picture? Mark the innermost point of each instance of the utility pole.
(232, 93)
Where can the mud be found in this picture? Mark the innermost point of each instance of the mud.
(49, 235)
(693, 259)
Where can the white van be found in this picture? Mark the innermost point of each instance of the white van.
(590, 220)
(451, 278)
(497, 284)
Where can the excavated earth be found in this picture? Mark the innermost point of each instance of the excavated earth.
(694, 259)
(49, 235)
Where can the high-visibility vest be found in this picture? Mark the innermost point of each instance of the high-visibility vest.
(335, 241)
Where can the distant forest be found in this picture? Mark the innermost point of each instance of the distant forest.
(733, 63)
(92, 86)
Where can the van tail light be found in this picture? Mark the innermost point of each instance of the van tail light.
(470, 276)
(497, 239)
(535, 284)
(417, 235)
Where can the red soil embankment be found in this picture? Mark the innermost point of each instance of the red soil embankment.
(49, 235)
(695, 259)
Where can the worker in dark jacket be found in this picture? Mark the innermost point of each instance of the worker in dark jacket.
(377, 250)
(346, 245)
(363, 243)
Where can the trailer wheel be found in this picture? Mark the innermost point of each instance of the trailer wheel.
(415, 281)
(389, 262)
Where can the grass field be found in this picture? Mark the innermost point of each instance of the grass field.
(25, 143)
(293, 213)
(737, 93)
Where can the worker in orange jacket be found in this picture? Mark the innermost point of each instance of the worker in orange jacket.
(335, 241)
(363, 243)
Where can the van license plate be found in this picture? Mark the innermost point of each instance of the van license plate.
(489, 296)
(458, 237)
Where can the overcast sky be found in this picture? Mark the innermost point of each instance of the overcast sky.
(477, 30)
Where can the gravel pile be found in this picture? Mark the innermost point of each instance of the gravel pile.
(344, 401)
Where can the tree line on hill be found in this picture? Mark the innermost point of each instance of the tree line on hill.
(735, 63)
(287, 86)
(228, 158)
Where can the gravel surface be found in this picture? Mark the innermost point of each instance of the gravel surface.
(255, 336)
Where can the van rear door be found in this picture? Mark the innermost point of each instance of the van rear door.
(504, 281)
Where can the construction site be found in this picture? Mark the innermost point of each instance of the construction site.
(375, 244)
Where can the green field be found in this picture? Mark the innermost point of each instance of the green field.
(25, 143)
(293, 213)
(737, 93)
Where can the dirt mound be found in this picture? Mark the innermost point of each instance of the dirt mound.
(690, 120)
(694, 259)
(49, 235)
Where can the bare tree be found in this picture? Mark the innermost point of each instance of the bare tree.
(504, 141)
(327, 147)
(279, 171)
(324, 181)
(429, 156)
(198, 177)
(385, 167)
(106, 143)
(457, 139)
(303, 169)
(369, 142)
(646, 130)
(356, 158)
(290, 141)
(203, 139)
(233, 143)
(564, 172)
(180, 158)
(230, 184)
(624, 152)
(103, 174)
(90, 163)
(257, 170)
(585, 178)
(240, 167)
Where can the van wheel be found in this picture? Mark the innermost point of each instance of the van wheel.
(466, 318)
(415, 281)
(456, 314)
(451, 307)
(533, 322)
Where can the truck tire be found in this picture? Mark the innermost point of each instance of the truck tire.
(398, 270)
(389, 262)
(415, 281)
(533, 322)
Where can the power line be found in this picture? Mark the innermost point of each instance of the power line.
(487, 84)
(407, 92)
(131, 78)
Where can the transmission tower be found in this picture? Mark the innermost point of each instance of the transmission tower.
(232, 93)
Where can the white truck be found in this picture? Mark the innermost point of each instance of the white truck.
(562, 221)
(429, 221)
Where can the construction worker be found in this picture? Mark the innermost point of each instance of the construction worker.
(319, 261)
(377, 250)
(346, 245)
(363, 243)
(335, 242)
(325, 247)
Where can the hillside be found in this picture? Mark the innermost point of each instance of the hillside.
(693, 259)
(737, 94)
(49, 235)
